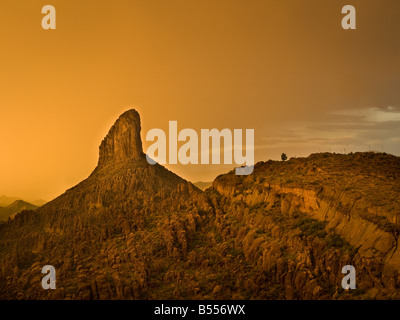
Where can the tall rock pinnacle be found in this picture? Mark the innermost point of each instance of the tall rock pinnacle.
(123, 141)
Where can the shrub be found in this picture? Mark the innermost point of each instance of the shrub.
(311, 227)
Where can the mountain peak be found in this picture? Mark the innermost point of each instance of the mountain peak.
(123, 141)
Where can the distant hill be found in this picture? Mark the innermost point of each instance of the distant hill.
(14, 208)
(6, 201)
(203, 185)
(38, 202)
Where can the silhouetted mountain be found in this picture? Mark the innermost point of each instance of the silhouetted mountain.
(202, 185)
(39, 202)
(6, 201)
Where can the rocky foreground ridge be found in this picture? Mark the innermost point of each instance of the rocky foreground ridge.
(136, 231)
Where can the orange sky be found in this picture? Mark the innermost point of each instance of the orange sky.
(284, 68)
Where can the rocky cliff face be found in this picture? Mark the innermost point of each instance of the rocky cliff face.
(133, 230)
(303, 220)
(123, 142)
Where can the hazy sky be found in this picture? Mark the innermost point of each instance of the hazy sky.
(284, 68)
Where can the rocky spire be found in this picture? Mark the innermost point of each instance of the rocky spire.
(123, 141)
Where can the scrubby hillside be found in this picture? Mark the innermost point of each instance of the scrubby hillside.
(301, 221)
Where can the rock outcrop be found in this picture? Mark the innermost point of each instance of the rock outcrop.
(123, 142)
